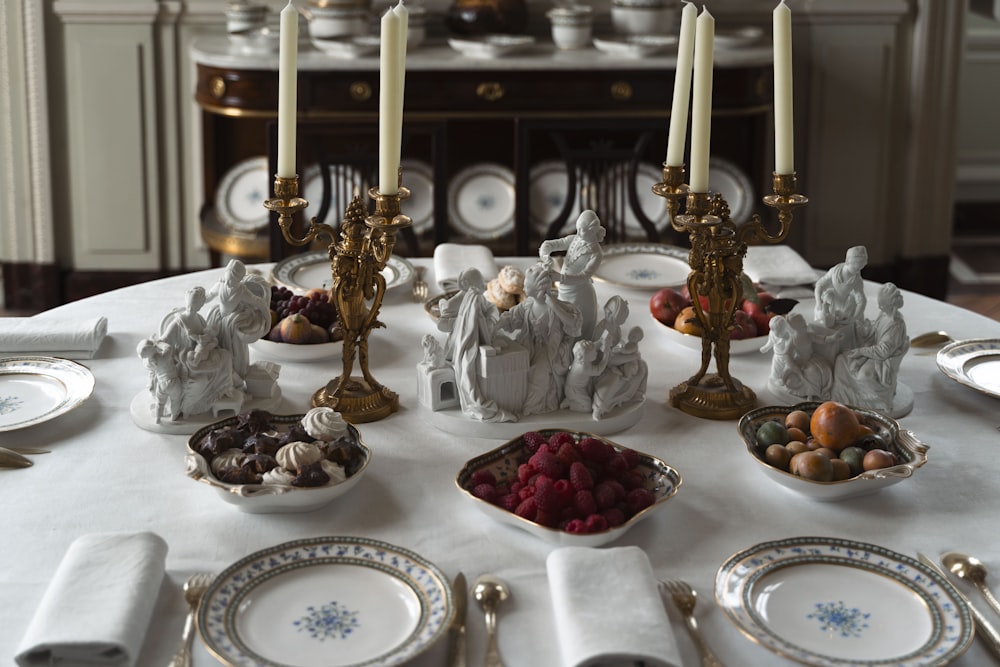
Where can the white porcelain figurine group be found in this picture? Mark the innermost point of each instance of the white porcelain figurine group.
(842, 355)
(200, 365)
(548, 352)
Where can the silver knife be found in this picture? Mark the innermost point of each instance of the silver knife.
(456, 632)
(983, 627)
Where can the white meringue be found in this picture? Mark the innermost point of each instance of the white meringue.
(278, 475)
(334, 470)
(324, 424)
(231, 458)
(295, 455)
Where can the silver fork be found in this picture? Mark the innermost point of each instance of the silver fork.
(684, 598)
(419, 285)
(194, 588)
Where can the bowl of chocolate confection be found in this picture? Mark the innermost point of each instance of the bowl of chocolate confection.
(261, 463)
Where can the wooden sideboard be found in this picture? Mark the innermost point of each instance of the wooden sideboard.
(588, 110)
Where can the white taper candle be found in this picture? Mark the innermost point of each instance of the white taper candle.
(784, 151)
(392, 70)
(288, 55)
(682, 87)
(701, 111)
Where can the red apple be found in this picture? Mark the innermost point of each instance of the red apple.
(743, 326)
(666, 303)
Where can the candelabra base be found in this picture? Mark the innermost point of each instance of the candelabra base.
(710, 398)
(356, 400)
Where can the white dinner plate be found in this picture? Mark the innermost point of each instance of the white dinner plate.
(634, 46)
(239, 199)
(653, 206)
(832, 603)
(644, 265)
(974, 363)
(491, 46)
(737, 38)
(312, 269)
(549, 190)
(36, 389)
(418, 177)
(481, 201)
(734, 185)
(349, 179)
(347, 47)
(326, 602)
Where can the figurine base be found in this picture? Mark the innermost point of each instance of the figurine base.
(902, 402)
(143, 410)
(455, 421)
(711, 399)
(357, 401)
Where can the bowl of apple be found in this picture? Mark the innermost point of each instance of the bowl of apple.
(674, 309)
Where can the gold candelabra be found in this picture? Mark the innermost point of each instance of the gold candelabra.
(718, 246)
(356, 263)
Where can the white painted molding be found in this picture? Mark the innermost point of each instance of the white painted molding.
(105, 12)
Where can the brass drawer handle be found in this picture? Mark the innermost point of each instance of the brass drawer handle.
(621, 91)
(491, 91)
(361, 91)
(217, 87)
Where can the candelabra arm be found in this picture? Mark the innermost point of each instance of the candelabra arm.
(785, 200)
(286, 203)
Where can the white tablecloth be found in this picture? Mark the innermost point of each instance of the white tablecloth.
(106, 474)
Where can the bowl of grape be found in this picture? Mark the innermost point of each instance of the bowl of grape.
(829, 451)
(304, 326)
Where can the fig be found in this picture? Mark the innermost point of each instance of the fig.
(296, 329)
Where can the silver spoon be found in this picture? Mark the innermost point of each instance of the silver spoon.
(973, 570)
(194, 588)
(489, 593)
(931, 339)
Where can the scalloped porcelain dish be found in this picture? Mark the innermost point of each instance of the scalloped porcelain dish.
(481, 201)
(663, 480)
(974, 363)
(738, 346)
(239, 199)
(491, 46)
(272, 498)
(326, 602)
(292, 352)
(832, 602)
(34, 389)
(911, 452)
(312, 269)
(644, 265)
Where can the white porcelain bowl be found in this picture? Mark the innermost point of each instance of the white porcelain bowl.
(337, 21)
(627, 19)
(911, 453)
(658, 477)
(274, 498)
(572, 27)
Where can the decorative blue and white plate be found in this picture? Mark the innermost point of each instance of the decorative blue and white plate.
(418, 177)
(832, 603)
(481, 201)
(239, 199)
(326, 602)
(36, 389)
(549, 190)
(644, 265)
(974, 363)
(307, 270)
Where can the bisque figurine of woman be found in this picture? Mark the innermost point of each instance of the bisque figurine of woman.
(583, 258)
(840, 296)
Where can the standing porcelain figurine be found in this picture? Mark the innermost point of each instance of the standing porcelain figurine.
(583, 258)
(866, 376)
(199, 366)
(840, 296)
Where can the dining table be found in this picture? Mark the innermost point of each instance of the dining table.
(103, 473)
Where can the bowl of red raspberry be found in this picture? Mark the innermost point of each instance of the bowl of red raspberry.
(568, 487)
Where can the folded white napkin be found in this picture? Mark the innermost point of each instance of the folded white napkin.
(608, 608)
(778, 265)
(97, 607)
(57, 337)
(450, 259)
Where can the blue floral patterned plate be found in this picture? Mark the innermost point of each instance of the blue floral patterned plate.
(36, 389)
(831, 603)
(647, 266)
(326, 602)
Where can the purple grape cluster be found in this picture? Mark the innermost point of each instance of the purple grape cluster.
(316, 307)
